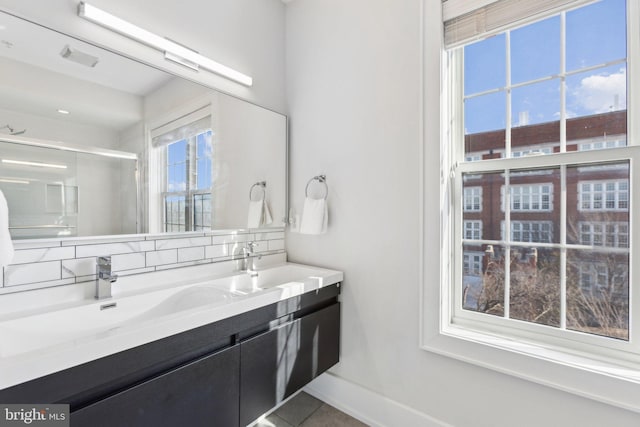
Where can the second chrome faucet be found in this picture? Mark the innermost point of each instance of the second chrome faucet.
(249, 257)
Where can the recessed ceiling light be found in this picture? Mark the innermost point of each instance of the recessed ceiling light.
(61, 111)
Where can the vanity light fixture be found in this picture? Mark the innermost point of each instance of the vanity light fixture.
(170, 48)
(61, 111)
(38, 164)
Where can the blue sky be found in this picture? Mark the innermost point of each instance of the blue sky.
(595, 34)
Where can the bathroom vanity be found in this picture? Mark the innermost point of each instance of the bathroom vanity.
(243, 345)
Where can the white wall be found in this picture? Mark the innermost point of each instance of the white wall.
(354, 93)
(244, 34)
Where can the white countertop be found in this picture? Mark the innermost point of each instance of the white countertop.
(49, 338)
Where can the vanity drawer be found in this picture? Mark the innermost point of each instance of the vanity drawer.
(201, 393)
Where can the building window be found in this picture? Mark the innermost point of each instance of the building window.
(532, 231)
(472, 230)
(599, 145)
(473, 199)
(529, 92)
(604, 195)
(472, 263)
(609, 234)
(530, 198)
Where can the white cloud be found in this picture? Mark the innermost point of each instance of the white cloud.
(602, 93)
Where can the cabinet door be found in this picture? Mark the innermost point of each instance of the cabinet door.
(201, 393)
(278, 363)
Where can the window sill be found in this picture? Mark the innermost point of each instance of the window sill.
(591, 378)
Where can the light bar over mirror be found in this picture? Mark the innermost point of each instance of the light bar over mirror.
(170, 48)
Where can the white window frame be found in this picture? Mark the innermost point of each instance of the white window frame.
(579, 372)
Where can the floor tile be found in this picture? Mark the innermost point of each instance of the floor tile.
(328, 416)
(298, 409)
(273, 421)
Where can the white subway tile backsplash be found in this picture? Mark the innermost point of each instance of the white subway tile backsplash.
(128, 261)
(191, 254)
(36, 285)
(136, 271)
(169, 256)
(30, 273)
(34, 244)
(79, 267)
(278, 235)
(49, 262)
(276, 245)
(216, 251)
(183, 243)
(44, 254)
(114, 248)
(260, 246)
(232, 238)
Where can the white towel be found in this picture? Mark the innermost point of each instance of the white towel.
(6, 245)
(315, 216)
(259, 214)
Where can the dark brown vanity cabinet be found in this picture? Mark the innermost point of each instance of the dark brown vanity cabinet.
(224, 374)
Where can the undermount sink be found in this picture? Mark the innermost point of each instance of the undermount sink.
(100, 319)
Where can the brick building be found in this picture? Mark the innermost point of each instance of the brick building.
(597, 203)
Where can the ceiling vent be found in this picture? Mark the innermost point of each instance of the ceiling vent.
(79, 57)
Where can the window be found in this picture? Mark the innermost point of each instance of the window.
(473, 230)
(610, 234)
(184, 153)
(544, 100)
(604, 195)
(517, 77)
(528, 198)
(473, 199)
(531, 231)
(472, 262)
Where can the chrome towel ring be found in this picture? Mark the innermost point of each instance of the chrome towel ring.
(261, 184)
(320, 178)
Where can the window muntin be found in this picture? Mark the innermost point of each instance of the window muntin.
(568, 115)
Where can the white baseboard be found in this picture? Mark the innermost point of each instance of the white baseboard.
(371, 408)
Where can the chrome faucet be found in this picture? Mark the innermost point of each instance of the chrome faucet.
(249, 259)
(105, 278)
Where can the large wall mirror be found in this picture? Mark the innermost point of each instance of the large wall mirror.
(93, 143)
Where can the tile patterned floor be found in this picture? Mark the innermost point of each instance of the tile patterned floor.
(304, 410)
